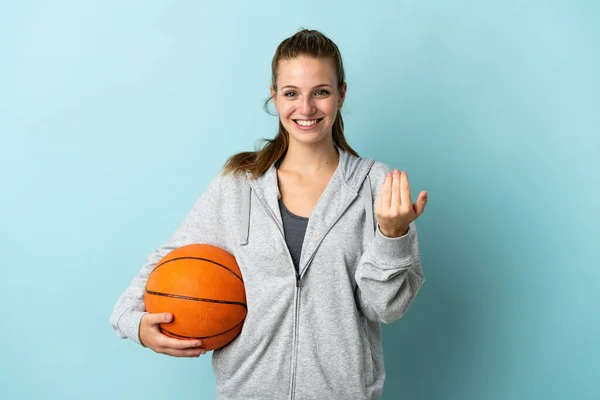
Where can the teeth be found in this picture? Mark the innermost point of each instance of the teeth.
(306, 123)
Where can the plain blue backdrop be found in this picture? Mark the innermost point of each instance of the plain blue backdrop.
(114, 116)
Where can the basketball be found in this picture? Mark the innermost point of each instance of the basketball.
(202, 287)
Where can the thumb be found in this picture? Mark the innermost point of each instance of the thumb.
(159, 318)
(421, 202)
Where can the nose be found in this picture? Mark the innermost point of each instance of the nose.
(308, 106)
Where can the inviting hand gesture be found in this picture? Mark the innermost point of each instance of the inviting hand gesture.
(395, 210)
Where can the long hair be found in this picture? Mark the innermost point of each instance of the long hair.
(309, 43)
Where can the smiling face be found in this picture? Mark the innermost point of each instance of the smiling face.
(307, 98)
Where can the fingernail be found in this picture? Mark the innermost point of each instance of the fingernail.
(168, 317)
(198, 344)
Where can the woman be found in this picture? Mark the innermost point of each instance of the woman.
(323, 264)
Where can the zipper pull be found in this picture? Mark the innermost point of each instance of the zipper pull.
(297, 280)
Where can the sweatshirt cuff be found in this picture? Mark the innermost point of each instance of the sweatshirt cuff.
(129, 324)
(393, 252)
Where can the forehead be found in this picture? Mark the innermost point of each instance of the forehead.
(305, 71)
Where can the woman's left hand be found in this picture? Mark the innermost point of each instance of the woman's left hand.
(395, 210)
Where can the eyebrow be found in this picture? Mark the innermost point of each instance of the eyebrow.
(318, 86)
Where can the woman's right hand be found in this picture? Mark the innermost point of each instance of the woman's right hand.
(152, 337)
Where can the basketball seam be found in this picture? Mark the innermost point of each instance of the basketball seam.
(181, 297)
(200, 259)
(203, 337)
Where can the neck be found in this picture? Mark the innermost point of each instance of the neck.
(310, 159)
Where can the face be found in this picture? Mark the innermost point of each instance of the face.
(307, 98)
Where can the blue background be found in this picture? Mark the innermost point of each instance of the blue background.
(115, 115)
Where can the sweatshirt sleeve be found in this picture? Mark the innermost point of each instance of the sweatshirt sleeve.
(389, 273)
(202, 224)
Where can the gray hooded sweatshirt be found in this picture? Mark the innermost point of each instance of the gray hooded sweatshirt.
(310, 335)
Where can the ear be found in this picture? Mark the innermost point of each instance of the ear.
(273, 95)
(342, 95)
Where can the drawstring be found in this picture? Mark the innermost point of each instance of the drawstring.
(245, 213)
(368, 200)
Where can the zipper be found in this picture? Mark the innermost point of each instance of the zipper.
(299, 275)
(295, 339)
(294, 360)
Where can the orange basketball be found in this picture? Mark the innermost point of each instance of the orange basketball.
(201, 286)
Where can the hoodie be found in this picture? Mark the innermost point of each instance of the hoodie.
(314, 333)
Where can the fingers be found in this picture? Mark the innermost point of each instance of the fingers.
(191, 352)
(179, 347)
(395, 209)
(399, 190)
(405, 196)
(178, 344)
(385, 199)
(185, 353)
(152, 337)
(395, 197)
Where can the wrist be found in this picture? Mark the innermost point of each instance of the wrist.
(394, 233)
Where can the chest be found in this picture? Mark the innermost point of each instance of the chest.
(301, 194)
(336, 248)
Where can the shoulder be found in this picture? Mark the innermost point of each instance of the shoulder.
(378, 171)
(228, 180)
(225, 185)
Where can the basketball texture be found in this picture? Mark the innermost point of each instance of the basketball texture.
(202, 287)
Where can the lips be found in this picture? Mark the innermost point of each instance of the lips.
(307, 123)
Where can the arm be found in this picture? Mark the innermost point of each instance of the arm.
(201, 225)
(389, 273)
(389, 276)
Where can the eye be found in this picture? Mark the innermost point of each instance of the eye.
(322, 92)
(289, 94)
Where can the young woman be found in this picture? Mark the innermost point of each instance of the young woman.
(325, 240)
